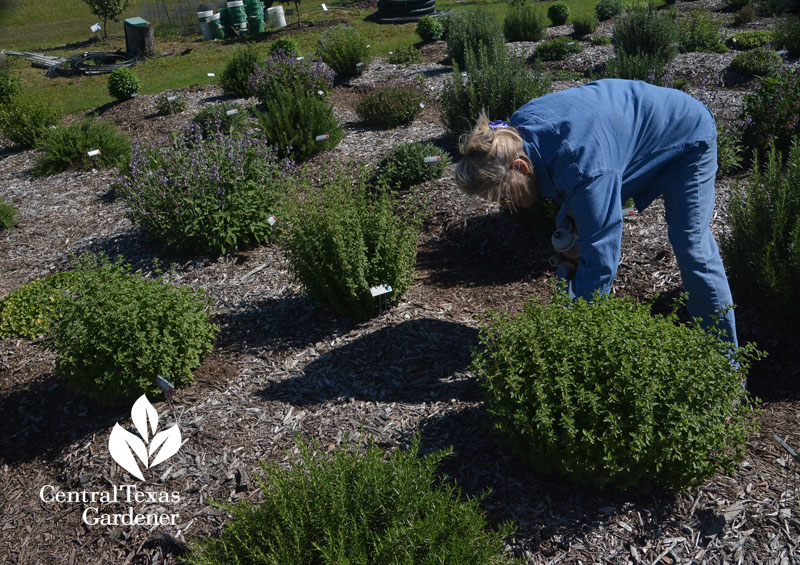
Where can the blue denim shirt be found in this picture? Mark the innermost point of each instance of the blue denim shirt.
(595, 146)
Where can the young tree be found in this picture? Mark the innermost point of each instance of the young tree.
(107, 10)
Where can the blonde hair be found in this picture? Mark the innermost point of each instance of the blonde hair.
(486, 168)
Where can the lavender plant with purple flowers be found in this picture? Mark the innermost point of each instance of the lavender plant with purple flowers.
(212, 195)
(283, 72)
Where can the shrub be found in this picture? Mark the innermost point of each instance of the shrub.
(747, 14)
(772, 113)
(292, 122)
(345, 239)
(237, 71)
(168, 104)
(758, 62)
(286, 44)
(524, 22)
(762, 249)
(604, 393)
(787, 35)
(647, 32)
(746, 40)
(729, 149)
(391, 106)
(649, 68)
(607, 9)
(404, 166)
(208, 196)
(354, 508)
(68, 147)
(9, 86)
(30, 310)
(771, 8)
(344, 49)
(557, 49)
(281, 72)
(405, 56)
(471, 30)
(499, 88)
(117, 332)
(584, 24)
(8, 215)
(601, 40)
(430, 28)
(25, 119)
(123, 83)
(738, 4)
(217, 119)
(558, 13)
(700, 31)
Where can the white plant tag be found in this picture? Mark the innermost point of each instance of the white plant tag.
(231, 112)
(165, 384)
(211, 74)
(368, 46)
(171, 98)
(322, 137)
(380, 289)
(324, 8)
(95, 28)
(271, 220)
(432, 159)
(359, 64)
(321, 92)
(301, 58)
(135, 95)
(94, 153)
(422, 105)
(627, 212)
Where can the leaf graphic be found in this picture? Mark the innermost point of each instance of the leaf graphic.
(171, 438)
(122, 445)
(141, 413)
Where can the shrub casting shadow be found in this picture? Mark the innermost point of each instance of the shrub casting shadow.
(402, 363)
(487, 250)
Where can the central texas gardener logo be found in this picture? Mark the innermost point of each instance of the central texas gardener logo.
(150, 443)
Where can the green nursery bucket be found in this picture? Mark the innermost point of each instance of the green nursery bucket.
(215, 26)
(255, 25)
(224, 17)
(254, 9)
(236, 12)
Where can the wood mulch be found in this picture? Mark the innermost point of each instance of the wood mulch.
(284, 368)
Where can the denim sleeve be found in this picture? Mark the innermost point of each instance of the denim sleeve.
(596, 206)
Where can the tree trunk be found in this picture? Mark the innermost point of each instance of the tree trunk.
(140, 40)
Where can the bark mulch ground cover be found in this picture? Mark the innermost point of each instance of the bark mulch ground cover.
(282, 367)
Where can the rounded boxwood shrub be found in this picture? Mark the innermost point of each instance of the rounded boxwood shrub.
(557, 49)
(117, 332)
(344, 49)
(237, 71)
(558, 13)
(168, 104)
(209, 196)
(772, 114)
(220, 118)
(286, 44)
(27, 118)
(68, 147)
(471, 31)
(404, 166)
(758, 62)
(584, 24)
(8, 217)
(390, 106)
(607, 9)
(345, 239)
(524, 22)
(282, 72)
(123, 83)
(352, 508)
(30, 310)
(430, 28)
(604, 393)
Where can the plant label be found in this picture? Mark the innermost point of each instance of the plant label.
(171, 98)
(380, 289)
(359, 64)
(94, 153)
(570, 43)
(390, 53)
(674, 45)
(231, 112)
(165, 385)
(432, 159)
(271, 220)
(322, 137)
(301, 58)
(321, 92)
(95, 28)
(211, 74)
(627, 212)
(324, 8)
(422, 105)
(368, 46)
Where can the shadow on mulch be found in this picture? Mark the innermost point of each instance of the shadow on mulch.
(485, 250)
(414, 361)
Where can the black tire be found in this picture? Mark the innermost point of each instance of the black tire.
(406, 13)
(401, 3)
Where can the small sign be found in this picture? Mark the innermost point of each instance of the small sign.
(324, 8)
(359, 64)
(322, 137)
(627, 212)
(422, 105)
(432, 159)
(380, 289)
(94, 153)
(301, 58)
(271, 220)
(570, 43)
(321, 92)
(135, 95)
(211, 74)
(368, 46)
(231, 112)
(166, 386)
(95, 28)
(171, 98)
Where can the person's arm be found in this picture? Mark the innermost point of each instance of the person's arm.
(596, 207)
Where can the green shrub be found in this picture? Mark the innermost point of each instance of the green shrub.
(405, 56)
(746, 40)
(8, 215)
(606, 394)
(584, 24)
(758, 62)
(762, 249)
(747, 14)
(430, 28)
(286, 44)
(601, 40)
(700, 31)
(772, 113)
(216, 118)
(557, 49)
(499, 88)
(208, 196)
(649, 68)
(25, 119)
(352, 508)
(404, 166)
(344, 49)
(293, 122)
(607, 9)
(738, 4)
(558, 13)
(117, 332)
(771, 8)
(9, 86)
(30, 310)
(237, 71)
(345, 239)
(524, 22)
(787, 35)
(391, 106)
(68, 147)
(281, 72)
(729, 149)
(168, 104)
(123, 83)
(647, 32)
(471, 30)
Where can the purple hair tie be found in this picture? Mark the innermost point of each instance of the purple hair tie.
(498, 124)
